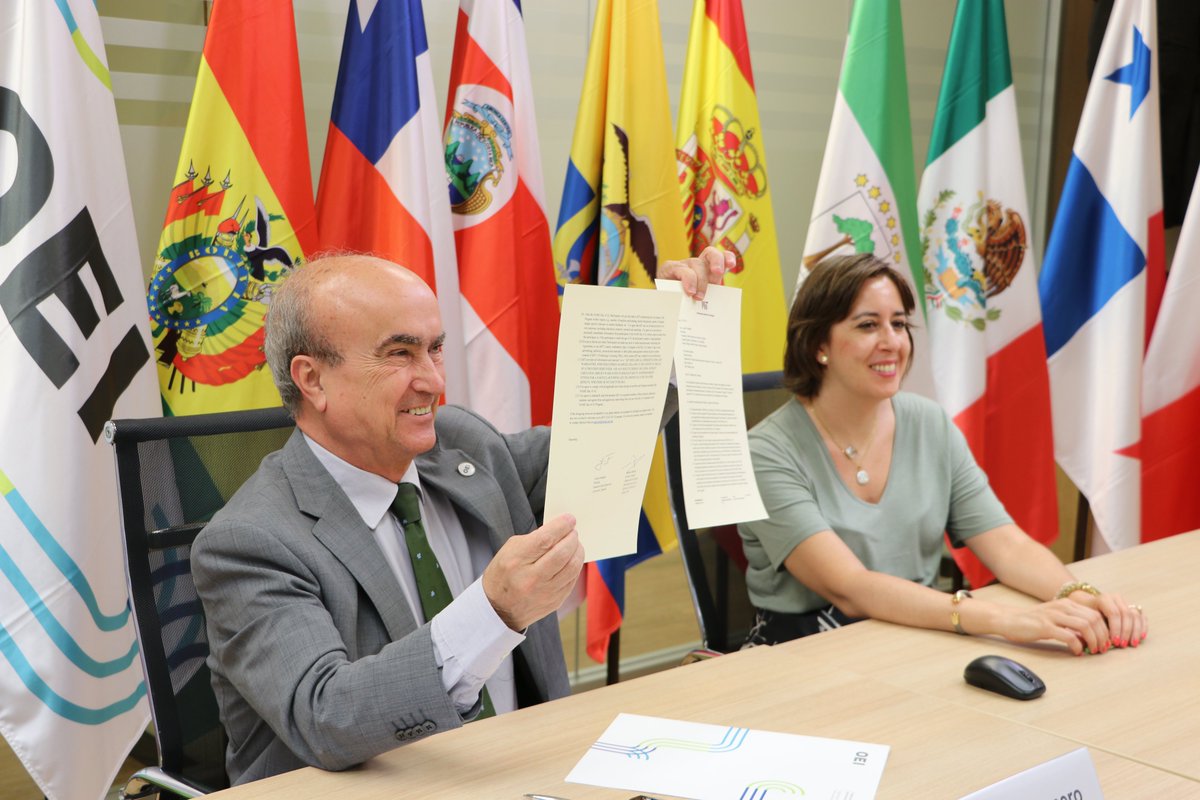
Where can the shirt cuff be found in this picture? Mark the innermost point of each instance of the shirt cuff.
(470, 641)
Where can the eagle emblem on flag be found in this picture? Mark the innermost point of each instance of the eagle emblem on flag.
(970, 254)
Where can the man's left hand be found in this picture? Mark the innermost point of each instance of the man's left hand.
(698, 272)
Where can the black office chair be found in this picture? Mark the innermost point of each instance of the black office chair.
(173, 474)
(718, 592)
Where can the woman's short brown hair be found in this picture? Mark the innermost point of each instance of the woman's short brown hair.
(824, 299)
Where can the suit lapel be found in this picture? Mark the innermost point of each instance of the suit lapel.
(473, 491)
(340, 528)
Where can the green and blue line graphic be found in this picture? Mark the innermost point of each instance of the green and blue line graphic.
(758, 790)
(58, 634)
(730, 741)
(93, 62)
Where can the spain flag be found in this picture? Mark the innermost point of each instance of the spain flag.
(239, 217)
(722, 163)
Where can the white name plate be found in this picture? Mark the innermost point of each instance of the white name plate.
(1071, 776)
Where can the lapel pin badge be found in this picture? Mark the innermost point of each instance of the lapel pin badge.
(466, 469)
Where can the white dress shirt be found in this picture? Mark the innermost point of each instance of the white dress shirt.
(471, 643)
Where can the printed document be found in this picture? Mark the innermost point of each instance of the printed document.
(716, 762)
(718, 479)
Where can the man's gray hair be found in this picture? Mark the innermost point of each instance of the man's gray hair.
(291, 331)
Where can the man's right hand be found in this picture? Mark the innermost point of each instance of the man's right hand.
(531, 575)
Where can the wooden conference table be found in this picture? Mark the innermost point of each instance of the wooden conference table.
(1137, 711)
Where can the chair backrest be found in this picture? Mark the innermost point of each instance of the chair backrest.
(718, 592)
(173, 474)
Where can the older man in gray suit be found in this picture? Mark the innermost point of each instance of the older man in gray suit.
(329, 641)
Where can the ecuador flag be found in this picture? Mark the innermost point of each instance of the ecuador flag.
(618, 220)
(240, 216)
(723, 173)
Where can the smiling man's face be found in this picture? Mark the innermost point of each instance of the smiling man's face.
(376, 407)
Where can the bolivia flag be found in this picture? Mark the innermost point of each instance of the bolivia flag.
(240, 216)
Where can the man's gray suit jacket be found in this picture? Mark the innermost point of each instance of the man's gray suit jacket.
(316, 658)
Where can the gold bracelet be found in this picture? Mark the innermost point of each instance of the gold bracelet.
(958, 597)
(1075, 586)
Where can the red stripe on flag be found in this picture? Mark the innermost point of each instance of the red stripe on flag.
(731, 27)
(472, 65)
(520, 307)
(1010, 434)
(187, 200)
(1156, 271)
(232, 364)
(603, 614)
(1170, 449)
(359, 211)
(241, 38)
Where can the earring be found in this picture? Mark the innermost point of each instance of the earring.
(824, 359)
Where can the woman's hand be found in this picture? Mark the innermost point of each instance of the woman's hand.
(1127, 625)
(1074, 624)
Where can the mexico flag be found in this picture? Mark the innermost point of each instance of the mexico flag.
(240, 216)
(866, 198)
(723, 173)
(985, 322)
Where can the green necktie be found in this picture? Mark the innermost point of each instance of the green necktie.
(432, 587)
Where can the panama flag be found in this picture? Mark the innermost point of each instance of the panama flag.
(240, 216)
(505, 267)
(1103, 275)
(1171, 395)
(723, 173)
(985, 324)
(618, 220)
(382, 188)
(74, 353)
(866, 198)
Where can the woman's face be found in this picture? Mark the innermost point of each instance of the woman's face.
(868, 351)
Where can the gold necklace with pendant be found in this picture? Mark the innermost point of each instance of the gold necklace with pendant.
(861, 476)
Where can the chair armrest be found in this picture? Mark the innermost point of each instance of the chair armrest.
(147, 781)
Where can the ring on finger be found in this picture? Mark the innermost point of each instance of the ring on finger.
(1136, 608)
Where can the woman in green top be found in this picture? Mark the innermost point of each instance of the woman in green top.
(860, 482)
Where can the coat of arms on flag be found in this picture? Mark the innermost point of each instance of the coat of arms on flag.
(864, 218)
(240, 215)
(717, 184)
(213, 280)
(478, 153)
(971, 252)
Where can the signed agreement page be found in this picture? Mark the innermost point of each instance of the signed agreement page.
(718, 479)
(614, 362)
